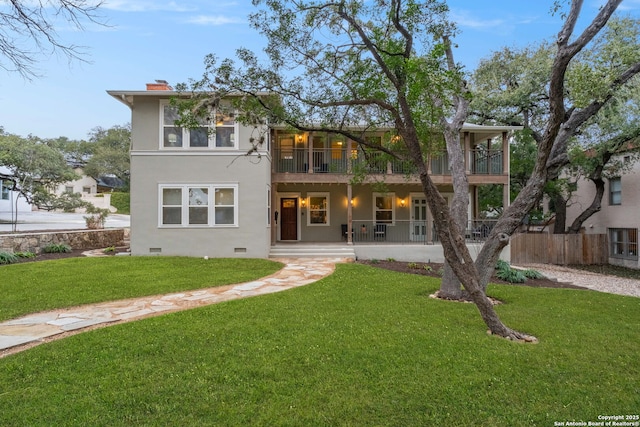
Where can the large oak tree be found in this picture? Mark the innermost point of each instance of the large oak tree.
(389, 63)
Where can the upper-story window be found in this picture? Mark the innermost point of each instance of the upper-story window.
(219, 130)
(615, 191)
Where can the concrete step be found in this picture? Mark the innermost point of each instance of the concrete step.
(311, 251)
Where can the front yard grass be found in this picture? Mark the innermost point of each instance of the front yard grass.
(39, 286)
(362, 347)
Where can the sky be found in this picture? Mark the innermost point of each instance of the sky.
(145, 40)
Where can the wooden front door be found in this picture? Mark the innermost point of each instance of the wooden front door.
(289, 219)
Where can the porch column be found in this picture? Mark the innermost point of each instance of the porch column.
(505, 155)
(310, 152)
(349, 159)
(349, 215)
(467, 153)
(506, 199)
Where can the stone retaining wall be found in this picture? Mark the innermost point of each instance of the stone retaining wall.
(77, 239)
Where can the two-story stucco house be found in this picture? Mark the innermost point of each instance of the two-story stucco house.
(197, 193)
(618, 216)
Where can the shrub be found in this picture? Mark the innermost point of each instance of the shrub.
(391, 259)
(96, 218)
(508, 274)
(412, 265)
(26, 254)
(121, 201)
(532, 274)
(57, 248)
(8, 258)
(109, 249)
(375, 261)
(428, 268)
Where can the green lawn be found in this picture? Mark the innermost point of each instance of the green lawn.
(38, 286)
(363, 347)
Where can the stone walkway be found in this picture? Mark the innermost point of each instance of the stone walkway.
(25, 332)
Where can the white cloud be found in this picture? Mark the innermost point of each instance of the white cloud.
(145, 6)
(214, 20)
(463, 19)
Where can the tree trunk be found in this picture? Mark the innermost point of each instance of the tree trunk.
(450, 287)
(561, 214)
(595, 206)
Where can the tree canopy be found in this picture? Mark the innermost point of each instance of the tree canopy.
(28, 30)
(350, 66)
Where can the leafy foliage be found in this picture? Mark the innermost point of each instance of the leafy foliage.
(55, 248)
(35, 169)
(110, 152)
(511, 275)
(8, 258)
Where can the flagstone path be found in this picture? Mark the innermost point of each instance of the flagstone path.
(27, 331)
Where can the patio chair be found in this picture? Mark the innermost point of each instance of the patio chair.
(380, 232)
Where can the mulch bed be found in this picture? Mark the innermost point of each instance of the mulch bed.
(73, 254)
(419, 268)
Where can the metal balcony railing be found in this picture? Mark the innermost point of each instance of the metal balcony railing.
(296, 160)
(411, 232)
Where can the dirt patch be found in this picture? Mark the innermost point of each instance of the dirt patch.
(434, 270)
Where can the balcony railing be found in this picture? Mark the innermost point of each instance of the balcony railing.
(411, 232)
(296, 160)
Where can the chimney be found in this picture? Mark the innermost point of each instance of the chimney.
(159, 85)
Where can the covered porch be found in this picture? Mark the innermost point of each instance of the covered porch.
(363, 215)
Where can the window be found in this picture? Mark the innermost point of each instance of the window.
(86, 190)
(217, 131)
(318, 209)
(615, 191)
(624, 243)
(206, 205)
(384, 208)
(5, 187)
(68, 189)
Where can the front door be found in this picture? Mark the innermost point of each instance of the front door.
(418, 227)
(289, 219)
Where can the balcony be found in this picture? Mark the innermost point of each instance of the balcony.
(336, 161)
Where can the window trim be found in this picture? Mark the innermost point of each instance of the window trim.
(326, 195)
(211, 205)
(186, 133)
(375, 208)
(616, 192)
(5, 190)
(627, 252)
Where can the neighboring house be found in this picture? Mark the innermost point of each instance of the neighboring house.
(618, 217)
(87, 187)
(198, 193)
(8, 199)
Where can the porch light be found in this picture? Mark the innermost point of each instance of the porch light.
(299, 138)
(303, 202)
(402, 203)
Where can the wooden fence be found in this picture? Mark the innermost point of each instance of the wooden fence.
(559, 249)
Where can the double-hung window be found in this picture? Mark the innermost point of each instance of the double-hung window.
(615, 191)
(318, 209)
(384, 208)
(624, 243)
(206, 205)
(216, 131)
